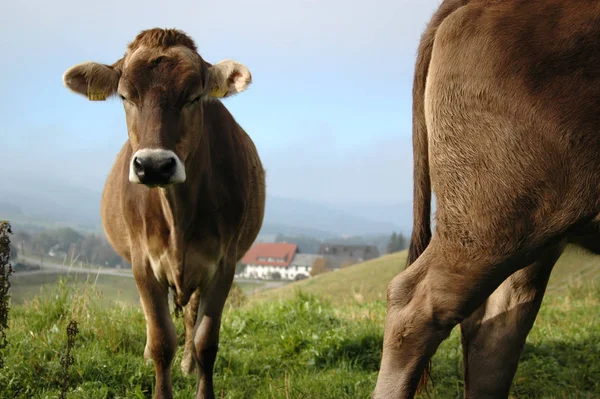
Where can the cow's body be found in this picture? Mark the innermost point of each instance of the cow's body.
(186, 230)
(187, 234)
(506, 132)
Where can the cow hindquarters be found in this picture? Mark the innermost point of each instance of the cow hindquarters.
(208, 325)
(161, 340)
(493, 337)
(425, 302)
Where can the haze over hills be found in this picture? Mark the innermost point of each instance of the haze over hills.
(39, 199)
(36, 199)
(328, 219)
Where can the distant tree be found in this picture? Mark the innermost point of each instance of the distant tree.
(67, 238)
(14, 252)
(22, 239)
(62, 238)
(396, 243)
(306, 245)
(391, 247)
(43, 241)
(106, 256)
(89, 248)
(319, 266)
(22, 236)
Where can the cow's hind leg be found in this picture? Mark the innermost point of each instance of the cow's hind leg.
(190, 317)
(206, 336)
(494, 335)
(161, 341)
(438, 291)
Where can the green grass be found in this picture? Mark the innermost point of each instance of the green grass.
(301, 347)
(318, 338)
(368, 281)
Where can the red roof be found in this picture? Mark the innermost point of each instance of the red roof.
(270, 254)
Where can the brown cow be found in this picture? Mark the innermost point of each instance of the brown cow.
(185, 198)
(506, 129)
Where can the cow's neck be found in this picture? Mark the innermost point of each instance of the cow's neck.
(181, 202)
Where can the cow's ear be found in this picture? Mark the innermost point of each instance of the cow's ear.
(227, 78)
(93, 80)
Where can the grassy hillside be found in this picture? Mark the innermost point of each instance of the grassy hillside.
(303, 347)
(368, 281)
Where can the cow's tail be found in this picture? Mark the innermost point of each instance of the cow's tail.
(421, 233)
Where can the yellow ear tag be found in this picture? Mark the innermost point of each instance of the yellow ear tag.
(96, 95)
(218, 92)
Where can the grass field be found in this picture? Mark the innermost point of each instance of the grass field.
(293, 345)
(108, 288)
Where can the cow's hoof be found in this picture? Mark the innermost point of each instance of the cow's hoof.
(188, 365)
(147, 355)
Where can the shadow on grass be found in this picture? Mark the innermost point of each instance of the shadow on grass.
(362, 352)
(572, 366)
(554, 369)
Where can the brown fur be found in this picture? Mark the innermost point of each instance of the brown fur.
(187, 236)
(505, 134)
(162, 39)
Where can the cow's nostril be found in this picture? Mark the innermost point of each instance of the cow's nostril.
(167, 165)
(138, 166)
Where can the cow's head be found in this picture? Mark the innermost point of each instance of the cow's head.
(162, 81)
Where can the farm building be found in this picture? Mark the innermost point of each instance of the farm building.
(276, 261)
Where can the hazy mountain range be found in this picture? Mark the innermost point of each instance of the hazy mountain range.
(37, 199)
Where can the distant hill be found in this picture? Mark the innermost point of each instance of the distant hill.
(39, 200)
(399, 214)
(368, 281)
(322, 220)
(7, 208)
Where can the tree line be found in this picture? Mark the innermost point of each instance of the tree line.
(385, 243)
(68, 243)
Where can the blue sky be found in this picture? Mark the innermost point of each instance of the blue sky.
(329, 108)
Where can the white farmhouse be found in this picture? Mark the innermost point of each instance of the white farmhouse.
(276, 261)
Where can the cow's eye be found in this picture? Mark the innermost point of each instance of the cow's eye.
(193, 100)
(126, 100)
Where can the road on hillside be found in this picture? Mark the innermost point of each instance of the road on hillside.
(51, 266)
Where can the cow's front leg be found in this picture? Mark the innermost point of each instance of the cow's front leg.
(206, 336)
(161, 340)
